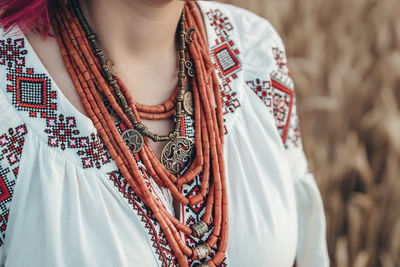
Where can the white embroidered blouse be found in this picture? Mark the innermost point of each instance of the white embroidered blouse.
(64, 202)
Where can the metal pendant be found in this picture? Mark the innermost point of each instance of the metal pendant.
(189, 68)
(199, 229)
(177, 153)
(188, 35)
(202, 251)
(133, 139)
(188, 103)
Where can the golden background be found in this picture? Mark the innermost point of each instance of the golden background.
(345, 59)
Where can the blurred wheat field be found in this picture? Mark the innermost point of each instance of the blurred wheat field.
(345, 60)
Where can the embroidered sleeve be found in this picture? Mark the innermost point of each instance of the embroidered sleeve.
(311, 248)
(268, 76)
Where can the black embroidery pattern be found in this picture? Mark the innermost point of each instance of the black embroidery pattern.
(63, 133)
(11, 145)
(166, 257)
(278, 95)
(12, 52)
(226, 57)
(33, 93)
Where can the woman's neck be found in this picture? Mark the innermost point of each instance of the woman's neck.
(143, 29)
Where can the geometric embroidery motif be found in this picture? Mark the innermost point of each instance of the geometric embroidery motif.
(278, 96)
(36, 96)
(160, 245)
(219, 22)
(281, 61)
(282, 103)
(32, 93)
(12, 52)
(60, 131)
(229, 99)
(263, 90)
(11, 145)
(226, 59)
(63, 133)
(94, 154)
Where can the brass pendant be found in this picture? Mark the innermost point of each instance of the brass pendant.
(190, 68)
(188, 103)
(176, 153)
(188, 35)
(202, 251)
(199, 229)
(133, 139)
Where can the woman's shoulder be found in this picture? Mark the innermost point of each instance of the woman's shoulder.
(251, 28)
(248, 39)
(251, 61)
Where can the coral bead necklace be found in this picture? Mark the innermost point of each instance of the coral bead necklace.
(93, 79)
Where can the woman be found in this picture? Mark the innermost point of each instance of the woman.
(96, 172)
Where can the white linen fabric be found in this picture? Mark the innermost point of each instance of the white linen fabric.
(64, 203)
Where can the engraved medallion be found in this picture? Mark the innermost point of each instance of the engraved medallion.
(177, 153)
(188, 103)
(133, 139)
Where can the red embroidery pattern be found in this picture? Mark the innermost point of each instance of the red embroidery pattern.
(278, 95)
(283, 103)
(12, 52)
(219, 22)
(226, 57)
(33, 93)
(63, 133)
(281, 61)
(263, 90)
(11, 145)
(166, 257)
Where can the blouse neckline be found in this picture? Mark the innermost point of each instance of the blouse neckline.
(66, 113)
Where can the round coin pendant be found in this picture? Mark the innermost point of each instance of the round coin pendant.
(133, 139)
(177, 153)
(188, 103)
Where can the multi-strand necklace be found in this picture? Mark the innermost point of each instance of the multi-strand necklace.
(94, 80)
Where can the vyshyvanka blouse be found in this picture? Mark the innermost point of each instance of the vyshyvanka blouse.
(64, 203)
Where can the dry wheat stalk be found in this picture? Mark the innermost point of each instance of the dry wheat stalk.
(345, 60)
